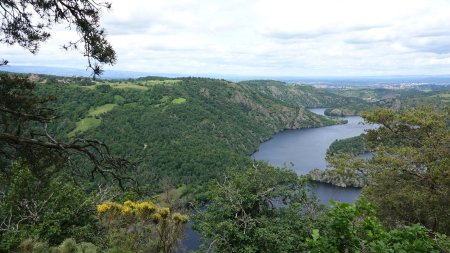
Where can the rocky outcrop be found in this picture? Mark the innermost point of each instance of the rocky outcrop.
(278, 115)
(326, 176)
(340, 112)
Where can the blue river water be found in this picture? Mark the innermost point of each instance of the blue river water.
(306, 150)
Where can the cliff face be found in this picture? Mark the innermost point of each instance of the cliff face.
(340, 112)
(277, 114)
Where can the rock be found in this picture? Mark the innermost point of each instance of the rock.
(327, 176)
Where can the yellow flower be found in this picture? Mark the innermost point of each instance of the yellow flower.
(164, 212)
(156, 218)
(129, 203)
(145, 209)
(126, 210)
(180, 218)
(104, 207)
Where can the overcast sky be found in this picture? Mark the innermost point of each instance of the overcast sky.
(266, 38)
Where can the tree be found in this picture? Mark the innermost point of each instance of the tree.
(24, 134)
(355, 228)
(46, 206)
(24, 117)
(262, 209)
(409, 175)
(408, 178)
(37, 197)
(28, 23)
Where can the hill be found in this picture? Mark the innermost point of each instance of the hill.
(184, 130)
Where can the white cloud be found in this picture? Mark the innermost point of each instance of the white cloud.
(264, 37)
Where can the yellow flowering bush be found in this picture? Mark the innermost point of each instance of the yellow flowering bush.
(129, 203)
(156, 218)
(126, 210)
(109, 208)
(103, 208)
(164, 212)
(145, 209)
(180, 218)
(131, 223)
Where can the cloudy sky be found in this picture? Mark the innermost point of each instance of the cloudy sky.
(266, 38)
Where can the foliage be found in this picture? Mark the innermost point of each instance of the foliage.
(409, 173)
(408, 176)
(38, 199)
(355, 228)
(25, 133)
(345, 165)
(261, 209)
(43, 203)
(353, 145)
(142, 226)
(28, 23)
(67, 246)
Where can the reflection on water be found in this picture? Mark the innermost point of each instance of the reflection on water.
(327, 192)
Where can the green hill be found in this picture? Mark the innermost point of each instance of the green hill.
(187, 130)
(300, 95)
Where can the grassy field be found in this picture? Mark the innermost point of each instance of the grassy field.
(91, 121)
(118, 99)
(84, 125)
(127, 85)
(124, 85)
(138, 85)
(97, 111)
(178, 101)
(160, 82)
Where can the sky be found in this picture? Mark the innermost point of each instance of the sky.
(265, 38)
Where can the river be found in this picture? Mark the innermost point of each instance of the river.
(306, 149)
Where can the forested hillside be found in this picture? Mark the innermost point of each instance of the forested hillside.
(398, 98)
(301, 95)
(183, 130)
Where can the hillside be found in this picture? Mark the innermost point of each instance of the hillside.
(401, 98)
(186, 130)
(300, 95)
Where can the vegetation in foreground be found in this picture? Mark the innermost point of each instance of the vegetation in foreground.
(264, 209)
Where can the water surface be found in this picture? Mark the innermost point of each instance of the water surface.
(306, 150)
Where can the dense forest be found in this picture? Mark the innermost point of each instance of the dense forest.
(125, 166)
(187, 130)
(181, 136)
